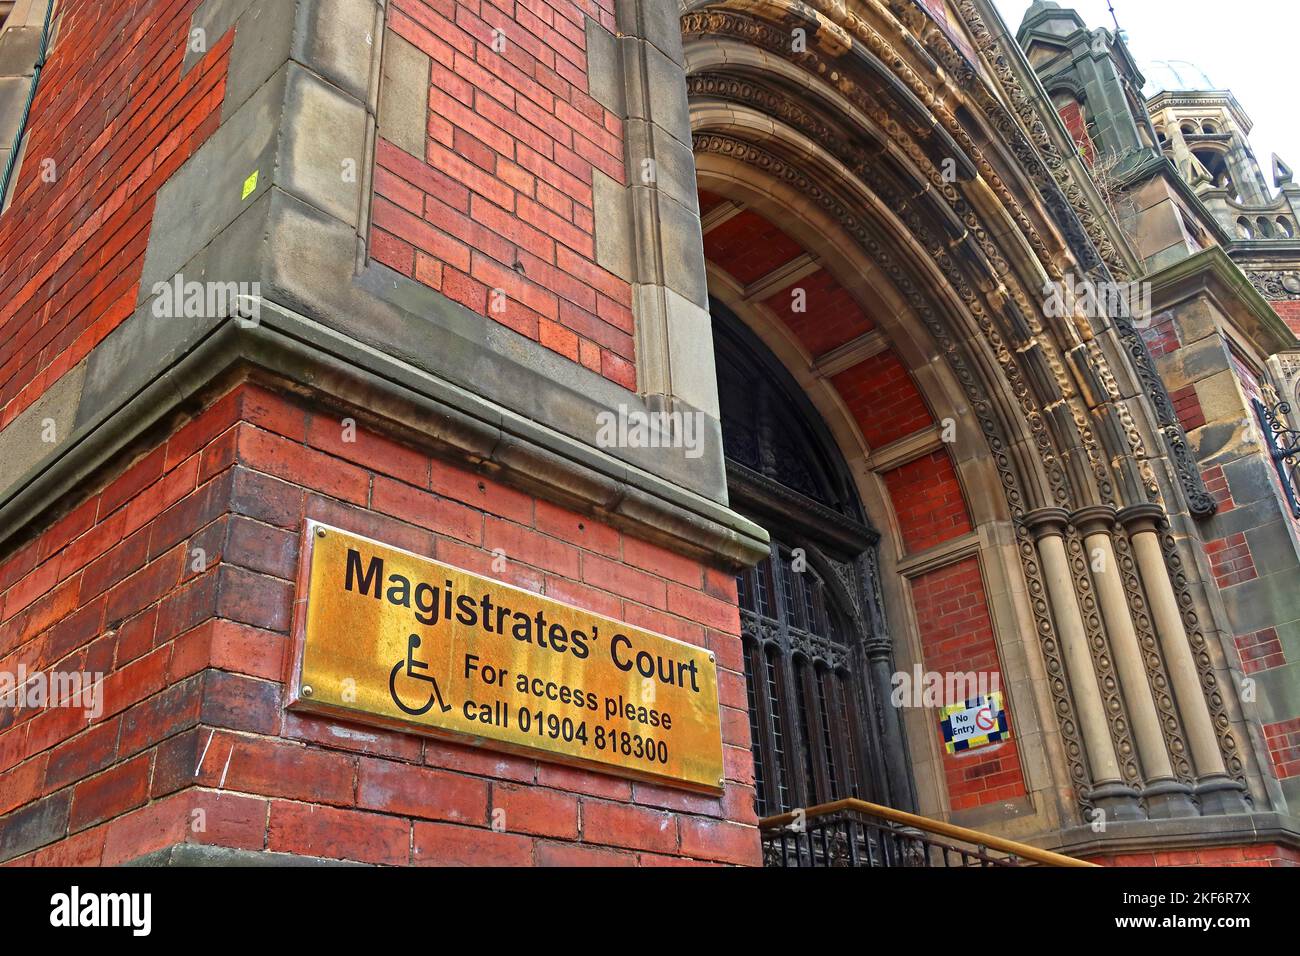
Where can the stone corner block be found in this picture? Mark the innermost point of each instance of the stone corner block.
(404, 95)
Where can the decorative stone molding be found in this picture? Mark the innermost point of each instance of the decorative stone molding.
(1276, 286)
(716, 20)
(1118, 721)
(1087, 450)
(981, 405)
(1104, 264)
(1112, 771)
(1216, 763)
(1163, 795)
(1001, 453)
(1152, 660)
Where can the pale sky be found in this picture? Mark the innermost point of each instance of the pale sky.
(1246, 46)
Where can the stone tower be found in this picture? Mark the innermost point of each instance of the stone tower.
(1204, 132)
(1171, 156)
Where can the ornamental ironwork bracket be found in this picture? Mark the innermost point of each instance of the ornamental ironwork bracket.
(1283, 447)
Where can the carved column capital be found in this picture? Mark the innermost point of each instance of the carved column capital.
(878, 648)
(1094, 519)
(1047, 522)
(1140, 518)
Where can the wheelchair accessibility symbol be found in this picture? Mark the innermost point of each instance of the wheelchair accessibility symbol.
(413, 669)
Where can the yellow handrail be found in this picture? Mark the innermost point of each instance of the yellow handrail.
(949, 830)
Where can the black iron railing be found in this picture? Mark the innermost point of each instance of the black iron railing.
(854, 833)
(1283, 443)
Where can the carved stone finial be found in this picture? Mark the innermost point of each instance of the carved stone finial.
(1282, 174)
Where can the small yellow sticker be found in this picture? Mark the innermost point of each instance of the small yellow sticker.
(250, 184)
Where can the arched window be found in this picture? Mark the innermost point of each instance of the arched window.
(1244, 229)
(809, 610)
(1265, 227)
(1209, 128)
(1075, 116)
(1285, 228)
(1216, 164)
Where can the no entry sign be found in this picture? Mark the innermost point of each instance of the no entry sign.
(973, 723)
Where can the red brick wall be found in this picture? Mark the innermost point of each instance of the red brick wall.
(1230, 560)
(830, 316)
(883, 399)
(957, 635)
(1072, 116)
(196, 660)
(117, 119)
(928, 501)
(1187, 406)
(749, 246)
(1289, 310)
(1260, 650)
(1284, 747)
(1162, 338)
(1216, 483)
(502, 200)
(878, 392)
(1264, 854)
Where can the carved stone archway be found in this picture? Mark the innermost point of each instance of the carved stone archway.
(943, 215)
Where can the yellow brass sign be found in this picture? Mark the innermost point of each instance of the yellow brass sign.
(388, 637)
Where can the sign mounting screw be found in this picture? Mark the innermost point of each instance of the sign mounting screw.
(306, 690)
(320, 532)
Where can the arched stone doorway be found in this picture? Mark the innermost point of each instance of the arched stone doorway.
(872, 434)
(987, 436)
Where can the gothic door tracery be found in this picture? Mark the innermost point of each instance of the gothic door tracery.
(817, 657)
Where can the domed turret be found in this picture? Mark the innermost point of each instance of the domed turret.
(1174, 76)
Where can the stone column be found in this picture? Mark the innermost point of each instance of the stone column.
(1182, 155)
(1163, 794)
(1215, 790)
(1109, 791)
(898, 774)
